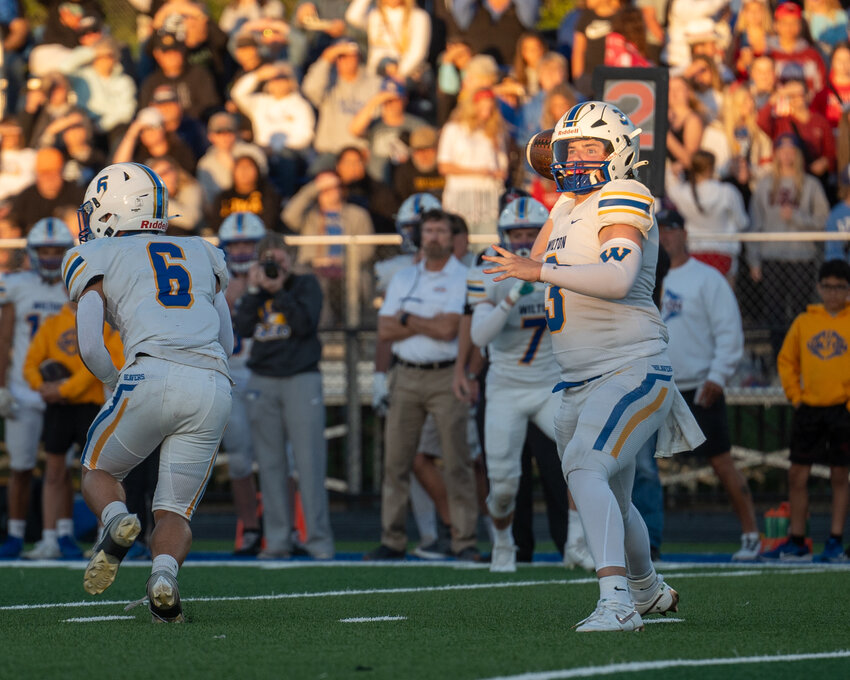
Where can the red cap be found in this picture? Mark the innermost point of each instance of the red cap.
(483, 94)
(788, 9)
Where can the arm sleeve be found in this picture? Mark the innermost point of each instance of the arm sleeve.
(225, 330)
(611, 279)
(487, 322)
(93, 351)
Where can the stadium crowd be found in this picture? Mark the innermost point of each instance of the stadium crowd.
(325, 119)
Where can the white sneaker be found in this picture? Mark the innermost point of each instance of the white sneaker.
(44, 550)
(660, 600)
(611, 615)
(577, 555)
(503, 558)
(750, 548)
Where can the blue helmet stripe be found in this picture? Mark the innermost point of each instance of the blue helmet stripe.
(240, 223)
(159, 192)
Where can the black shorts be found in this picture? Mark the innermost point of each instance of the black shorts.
(821, 434)
(714, 424)
(66, 424)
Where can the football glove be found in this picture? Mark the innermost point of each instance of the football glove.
(380, 394)
(519, 289)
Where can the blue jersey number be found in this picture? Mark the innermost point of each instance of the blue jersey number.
(538, 323)
(33, 320)
(555, 315)
(173, 282)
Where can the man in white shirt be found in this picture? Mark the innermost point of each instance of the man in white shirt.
(421, 315)
(706, 344)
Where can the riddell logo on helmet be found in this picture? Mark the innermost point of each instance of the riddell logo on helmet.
(153, 224)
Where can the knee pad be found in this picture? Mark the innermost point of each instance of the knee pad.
(502, 497)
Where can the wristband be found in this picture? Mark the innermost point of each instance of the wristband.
(403, 318)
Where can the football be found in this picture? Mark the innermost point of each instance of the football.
(538, 152)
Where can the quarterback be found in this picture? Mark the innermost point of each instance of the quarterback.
(597, 254)
(165, 297)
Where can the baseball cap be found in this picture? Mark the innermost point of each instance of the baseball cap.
(254, 152)
(788, 138)
(221, 122)
(701, 30)
(164, 94)
(247, 39)
(670, 218)
(788, 9)
(792, 71)
(424, 137)
(350, 46)
(150, 117)
(164, 42)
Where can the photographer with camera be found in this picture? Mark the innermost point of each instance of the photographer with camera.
(281, 312)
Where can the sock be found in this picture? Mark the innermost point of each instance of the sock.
(65, 527)
(112, 510)
(837, 537)
(491, 530)
(48, 535)
(615, 588)
(165, 563)
(574, 528)
(503, 536)
(17, 528)
(798, 540)
(636, 543)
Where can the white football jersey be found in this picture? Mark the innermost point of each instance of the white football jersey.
(159, 294)
(34, 300)
(386, 269)
(522, 351)
(590, 335)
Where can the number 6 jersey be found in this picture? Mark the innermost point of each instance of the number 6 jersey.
(159, 294)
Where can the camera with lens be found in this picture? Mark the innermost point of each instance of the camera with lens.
(270, 268)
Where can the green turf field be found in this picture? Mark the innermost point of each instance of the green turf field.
(297, 620)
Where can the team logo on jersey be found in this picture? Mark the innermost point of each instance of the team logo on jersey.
(671, 306)
(827, 345)
(68, 342)
(616, 252)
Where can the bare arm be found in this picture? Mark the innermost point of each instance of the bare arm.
(7, 328)
(538, 250)
(440, 327)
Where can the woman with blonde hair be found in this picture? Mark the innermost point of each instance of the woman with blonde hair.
(684, 114)
(530, 49)
(396, 30)
(750, 35)
(472, 155)
(787, 199)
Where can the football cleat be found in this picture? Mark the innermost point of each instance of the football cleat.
(750, 547)
(787, 551)
(164, 598)
(577, 556)
(113, 546)
(833, 552)
(503, 558)
(44, 550)
(661, 599)
(611, 615)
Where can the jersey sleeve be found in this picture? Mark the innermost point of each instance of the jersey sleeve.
(475, 285)
(219, 266)
(80, 266)
(625, 202)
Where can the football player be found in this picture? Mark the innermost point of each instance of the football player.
(238, 237)
(597, 254)
(26, 299)
(509, 318)
(166, 298)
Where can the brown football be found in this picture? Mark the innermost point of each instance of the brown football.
(538, 152)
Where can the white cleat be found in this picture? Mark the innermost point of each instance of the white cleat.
(113, 545)
(662, 599)
(503, 559)
(750, 548)
(611, 615)
(577, 556)
(164, 598)
(44, 550)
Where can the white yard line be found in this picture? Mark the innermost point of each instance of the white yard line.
(664, 620)
(93, 619)
(369, 619)
(641, 666)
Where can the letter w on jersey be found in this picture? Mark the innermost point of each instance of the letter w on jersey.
(617, 253)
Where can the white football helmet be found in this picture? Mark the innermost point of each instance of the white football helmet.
(240, 227)
(408, 216)
(521, 213)
(594, 120)
(123, 197)
(48, 232)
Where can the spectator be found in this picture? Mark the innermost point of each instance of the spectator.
(215, 168)
(281, 314)
(337, 99)
(246, 52)
(789, 113)
(838, 99)
(530, 51)
(753, 29)
(686, 122)
(47, 195)
(709, 207)
(685, 19)
(839, 220)
(317, 23)
(421, 316)
(72, 134)
(472, 154)
(709, 39)
(237, 12)
(271, 36)
(283, 121)
(762, 81)
(791, 45)
(185, 197)
(420, 173)
(251, 190)
(707, 85)
(384, 123)
(594, 24)
(813, 367)
(17, 160)
(395, 29)
(788, 199)
(492, 27)
(73, 397)
(456, 64)
(15, 30)
(626, 45)
(177, 122)
(552, 73)
(319, 208)
(147, 138)
(360, 189)
(194, 84)
(50, 99)
(64, 19)
(827, 23)
(706, 343)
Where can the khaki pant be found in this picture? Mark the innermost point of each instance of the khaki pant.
(415, 393)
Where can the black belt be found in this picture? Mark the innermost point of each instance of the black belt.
(426, 365)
